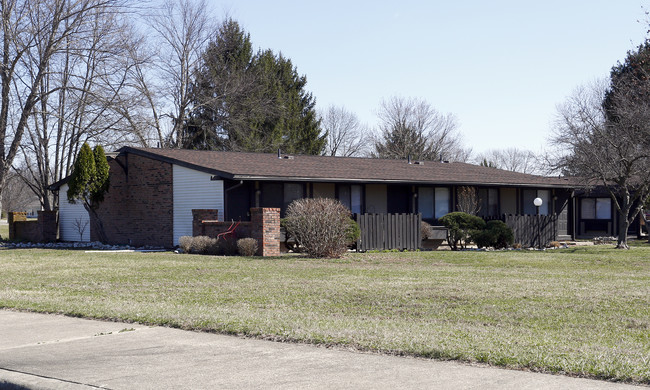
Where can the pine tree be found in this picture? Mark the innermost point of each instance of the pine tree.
(249, 102)
(221, 89)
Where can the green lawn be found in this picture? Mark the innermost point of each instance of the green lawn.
(583, 311)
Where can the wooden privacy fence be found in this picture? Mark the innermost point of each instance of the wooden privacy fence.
(531, 230)
(388, 231)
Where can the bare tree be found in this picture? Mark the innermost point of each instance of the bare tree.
(183, 29)
(346, 137)
(468, 200)
(603, 137)
(34, 33)
(80, 226)
(512, 159)
(412, 127)
(16, 195)
(140, 100)
(79, 100)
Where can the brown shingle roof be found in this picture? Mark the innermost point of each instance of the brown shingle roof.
(264, 166)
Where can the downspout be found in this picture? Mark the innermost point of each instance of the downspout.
(225, 197)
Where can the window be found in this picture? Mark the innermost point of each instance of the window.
(292, 191)
(545, 196)
(280, 195)
(355, 199)
(433, 203)
(489, 198)
(271, 195)
(425, 202)
(603, 208)
(351, 197)
(529, 197)
(596, 208)
(442, 202)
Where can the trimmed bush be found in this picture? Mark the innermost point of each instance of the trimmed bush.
(200, 245)
(496, 234)
(185, 243)
(320, 226)
(483, 238)
(247, 246)
(460, 228)
(503, 235)
(204, 245)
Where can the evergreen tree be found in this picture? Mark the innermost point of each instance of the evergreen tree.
(251, 102)
(89, 183)
(222, 88)
(293, 125)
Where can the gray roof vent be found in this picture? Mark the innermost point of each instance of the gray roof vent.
(284, 156)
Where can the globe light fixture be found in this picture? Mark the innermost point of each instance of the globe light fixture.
(538, 202)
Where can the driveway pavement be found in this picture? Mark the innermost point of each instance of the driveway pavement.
(39, 351)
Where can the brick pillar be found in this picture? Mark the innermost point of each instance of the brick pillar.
(199, 215)
(47, 226)
(14, 217)
(265, 228)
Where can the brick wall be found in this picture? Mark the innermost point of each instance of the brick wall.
(48, 227)
(201, 215)
(43, 229)
(205, 222)
(138, 208)
(12, 219)
(264, 227)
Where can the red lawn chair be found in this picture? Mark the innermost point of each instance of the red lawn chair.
(230, 231)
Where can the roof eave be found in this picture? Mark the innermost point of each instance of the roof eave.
(173, 161)
(394, 181)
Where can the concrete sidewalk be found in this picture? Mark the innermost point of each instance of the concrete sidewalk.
(40, 351)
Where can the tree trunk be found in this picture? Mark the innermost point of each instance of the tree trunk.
(96, 221)
(623, 225)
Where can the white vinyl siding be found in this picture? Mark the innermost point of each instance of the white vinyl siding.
(194, 190)
(69, 216)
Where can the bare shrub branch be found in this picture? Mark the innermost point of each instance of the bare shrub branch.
(319, 226)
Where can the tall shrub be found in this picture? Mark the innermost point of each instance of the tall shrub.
(89, 183)
(320, 226)
(460, 227)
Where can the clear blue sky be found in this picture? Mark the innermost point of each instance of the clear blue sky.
(500, 66)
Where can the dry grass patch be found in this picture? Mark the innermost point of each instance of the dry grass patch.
(583, 311)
